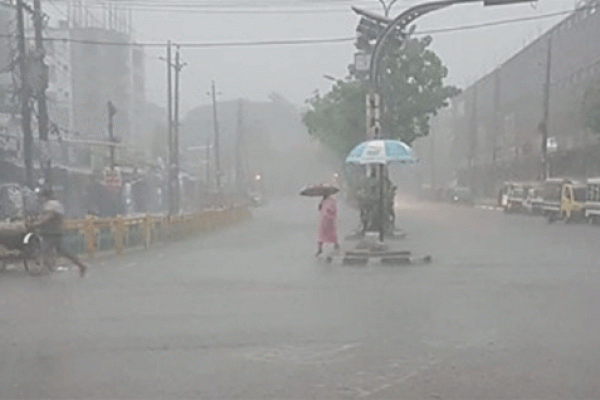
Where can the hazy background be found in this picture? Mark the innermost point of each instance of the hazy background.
(296, 71)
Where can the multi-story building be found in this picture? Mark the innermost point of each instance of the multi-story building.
(89, 64)
(495, 123)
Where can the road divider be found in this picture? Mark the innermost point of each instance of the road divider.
(92, 234)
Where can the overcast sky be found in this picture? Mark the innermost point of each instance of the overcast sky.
(296, 71)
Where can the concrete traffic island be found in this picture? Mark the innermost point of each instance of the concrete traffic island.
(372, 249)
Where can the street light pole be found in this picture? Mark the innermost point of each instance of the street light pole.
(401, 22)
(387, 7)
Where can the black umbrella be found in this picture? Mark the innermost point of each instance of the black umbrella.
(319, 190)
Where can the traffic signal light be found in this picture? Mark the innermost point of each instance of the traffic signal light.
(370, 29)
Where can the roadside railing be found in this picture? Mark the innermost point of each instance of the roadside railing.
(92, 234)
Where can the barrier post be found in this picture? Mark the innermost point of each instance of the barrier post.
(119, 233)
(89, 234)
(147, 230)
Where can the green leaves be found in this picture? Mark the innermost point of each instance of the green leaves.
(338, 118)
(412, 91)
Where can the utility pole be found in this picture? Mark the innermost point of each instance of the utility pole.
(432, 155)
(170, 168)
(111, 114)
(173, 129)
(496, 120)
(207, 164)
(178, 67)
(176, 136)
(25, 94)
(38, 24)
(216, 124)
(473, 141)
(239, 147)
(546, 111)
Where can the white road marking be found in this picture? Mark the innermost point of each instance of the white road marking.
(304, 355)
(489, 208)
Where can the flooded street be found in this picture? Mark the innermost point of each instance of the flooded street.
(507, 309)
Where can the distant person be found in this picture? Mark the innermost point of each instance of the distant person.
(327, 223)
(49, 224)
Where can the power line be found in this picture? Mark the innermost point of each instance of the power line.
(198, 45)
(275, 7)
(172, 9)
(300, 41)
(493, 23)
(230, 5)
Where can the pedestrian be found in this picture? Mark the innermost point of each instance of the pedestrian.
(49, 224)
(327, 232)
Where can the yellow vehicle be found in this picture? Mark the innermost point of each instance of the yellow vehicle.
(564, 199)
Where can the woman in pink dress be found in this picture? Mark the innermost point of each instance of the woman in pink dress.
(327, 223)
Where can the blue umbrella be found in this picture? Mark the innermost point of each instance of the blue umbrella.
(382, 152)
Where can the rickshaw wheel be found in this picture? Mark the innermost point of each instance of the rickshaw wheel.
(35, 266)
(34, 257)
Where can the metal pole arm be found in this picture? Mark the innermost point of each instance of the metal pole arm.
(411, 14)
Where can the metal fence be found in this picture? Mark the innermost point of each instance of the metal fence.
(93, 234)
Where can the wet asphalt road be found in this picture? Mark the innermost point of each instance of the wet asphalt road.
(509, 308)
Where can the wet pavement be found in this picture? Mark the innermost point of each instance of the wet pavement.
(507, 309)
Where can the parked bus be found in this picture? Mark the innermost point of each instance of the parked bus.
(515, 197)
(592, 200)
(503, 194)
(534, 199)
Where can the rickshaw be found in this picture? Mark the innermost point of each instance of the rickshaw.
(19, 244)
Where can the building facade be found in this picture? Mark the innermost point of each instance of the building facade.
(495, 124)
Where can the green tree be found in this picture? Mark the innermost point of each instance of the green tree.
(412, 89)
(337, 119)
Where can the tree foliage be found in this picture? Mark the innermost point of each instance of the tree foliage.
(412, 90)
(337, 119)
